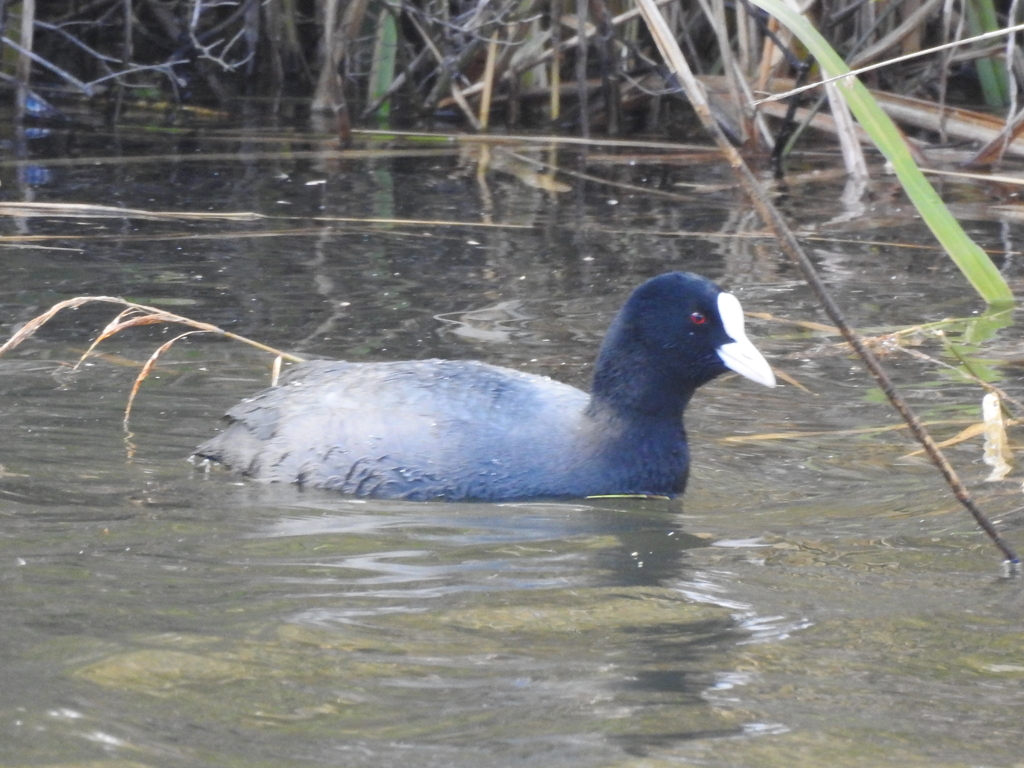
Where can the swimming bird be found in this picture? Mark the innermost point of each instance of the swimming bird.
(459, 430)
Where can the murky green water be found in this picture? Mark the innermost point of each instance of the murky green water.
(814, 600)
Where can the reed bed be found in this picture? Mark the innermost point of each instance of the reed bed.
(568, 66)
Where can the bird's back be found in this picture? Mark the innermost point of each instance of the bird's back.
(419, 429)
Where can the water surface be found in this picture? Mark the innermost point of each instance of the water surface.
(818, 599)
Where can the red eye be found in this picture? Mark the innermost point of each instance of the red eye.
(698, 318)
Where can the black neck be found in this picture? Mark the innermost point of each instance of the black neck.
(629, 380)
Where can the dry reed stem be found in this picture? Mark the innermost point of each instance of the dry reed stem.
(151, 315)
(182, 236)
(792, 381)
(456, 92)
(846, 132)
(888, 62)
(796, 435)
(911, 24)
(112, 327)
(137, 315)
(572, 42)
(35, 323)
(77, 210)
(555, 77)
(963, 435)
(996, 178)
(714, 13)
(241, 157)
(147, 368)
(477, 138)
(582, 8)
(86, 210)
(23, 69)
(1005, 211)
(485, 99)
(994, 150)
(807, 324)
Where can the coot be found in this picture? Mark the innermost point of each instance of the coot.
(440, 429)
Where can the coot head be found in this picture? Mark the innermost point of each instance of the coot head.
(675, 333)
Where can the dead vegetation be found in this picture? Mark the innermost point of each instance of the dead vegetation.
(133, 316)
(571, 67)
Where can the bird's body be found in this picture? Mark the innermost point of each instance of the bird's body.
(467, 430)
(407, 445)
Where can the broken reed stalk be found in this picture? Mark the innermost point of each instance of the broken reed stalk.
(610, 84)
(24, 65)
(485, 98)
(132, 316)
(555, 25)
(581, 67)
(773, 219)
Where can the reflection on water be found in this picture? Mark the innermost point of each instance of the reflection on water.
(813, 600)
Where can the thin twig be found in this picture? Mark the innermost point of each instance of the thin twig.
(67, 76)
(898, 59)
